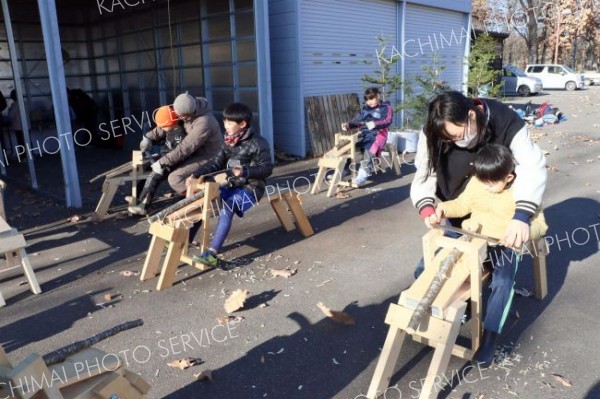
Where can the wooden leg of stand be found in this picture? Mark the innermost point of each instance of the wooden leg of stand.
(539, 270)
(152, 262)
(172, 261)
(29, 274)
(282, 213)
(443, 351)
(109, 189)
(318, 180)
(298, 211)
(387, 362)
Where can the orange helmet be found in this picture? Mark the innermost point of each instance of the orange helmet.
(166, 117)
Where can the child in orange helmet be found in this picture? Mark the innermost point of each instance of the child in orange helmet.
(169, 133)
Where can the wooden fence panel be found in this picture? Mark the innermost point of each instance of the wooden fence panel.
(324, 116)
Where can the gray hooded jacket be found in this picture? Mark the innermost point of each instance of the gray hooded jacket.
(202, 141)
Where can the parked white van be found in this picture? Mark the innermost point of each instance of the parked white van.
(555, 76)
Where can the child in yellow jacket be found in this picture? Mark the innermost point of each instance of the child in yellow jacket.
(488, 199)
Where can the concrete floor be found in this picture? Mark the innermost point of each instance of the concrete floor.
(361, 257)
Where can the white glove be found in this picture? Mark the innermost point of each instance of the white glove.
(370, 125)
(157, 168)
(146, 144)
(345, 126)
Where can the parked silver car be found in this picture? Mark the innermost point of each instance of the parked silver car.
(516, 82)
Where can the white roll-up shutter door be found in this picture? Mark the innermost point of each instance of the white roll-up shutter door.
(429, 30)
(336, 37)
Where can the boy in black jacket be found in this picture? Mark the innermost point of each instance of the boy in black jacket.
(247, 158)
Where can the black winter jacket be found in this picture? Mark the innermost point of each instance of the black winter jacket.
(253, 153)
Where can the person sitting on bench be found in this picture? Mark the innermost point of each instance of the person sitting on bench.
(169, 132)
(489, 200)
(247, 158)
(374, 119)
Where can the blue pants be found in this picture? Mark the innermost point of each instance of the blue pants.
(234, 200)
(505, 263)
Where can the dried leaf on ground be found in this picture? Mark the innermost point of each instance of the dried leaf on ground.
(129, 273)
(283, 272)
(342, 195)
(236, 300)
(229, 319)
(205, 375)
(337, 316)
(559, 378)
(183, 364)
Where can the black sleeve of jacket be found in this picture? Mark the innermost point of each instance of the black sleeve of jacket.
(217, 163)
(262, 167)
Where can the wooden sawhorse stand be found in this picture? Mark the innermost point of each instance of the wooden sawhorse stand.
(77, 377)
(130, 172)
(344, 150)
(439, 328)
(174, 232)
(13, 243)
(336, 158)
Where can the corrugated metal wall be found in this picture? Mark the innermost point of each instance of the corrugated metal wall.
(430, 31)
(285, 76)
(338, 36)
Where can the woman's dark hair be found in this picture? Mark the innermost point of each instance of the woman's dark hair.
(493, 163)
(237, 112)
(371, 93)
(453, 107)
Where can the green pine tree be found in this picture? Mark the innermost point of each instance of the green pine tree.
(385, 77)
(419, 90)
(482, 77)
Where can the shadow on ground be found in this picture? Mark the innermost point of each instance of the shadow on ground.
(306, 368)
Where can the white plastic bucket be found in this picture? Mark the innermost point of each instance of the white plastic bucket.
(407, 140)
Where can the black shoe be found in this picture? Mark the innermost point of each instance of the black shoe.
(484, 357)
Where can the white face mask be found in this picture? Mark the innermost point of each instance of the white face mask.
(468, 139)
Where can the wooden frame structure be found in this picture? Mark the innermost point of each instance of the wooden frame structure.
(439, 328)
(89, 374)
(173, 231)
(344, 150)
(129, 172)
(12, 245)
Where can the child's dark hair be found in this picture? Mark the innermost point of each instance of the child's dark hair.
(493, 163)
(371, 93)
(237, 112)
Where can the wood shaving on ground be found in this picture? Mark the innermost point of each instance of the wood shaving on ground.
(129, 273)
(229, 319)
(283, 272)
(337, 316)
(109, 297)
(183, 364)
(236, 300)
(562, 380)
